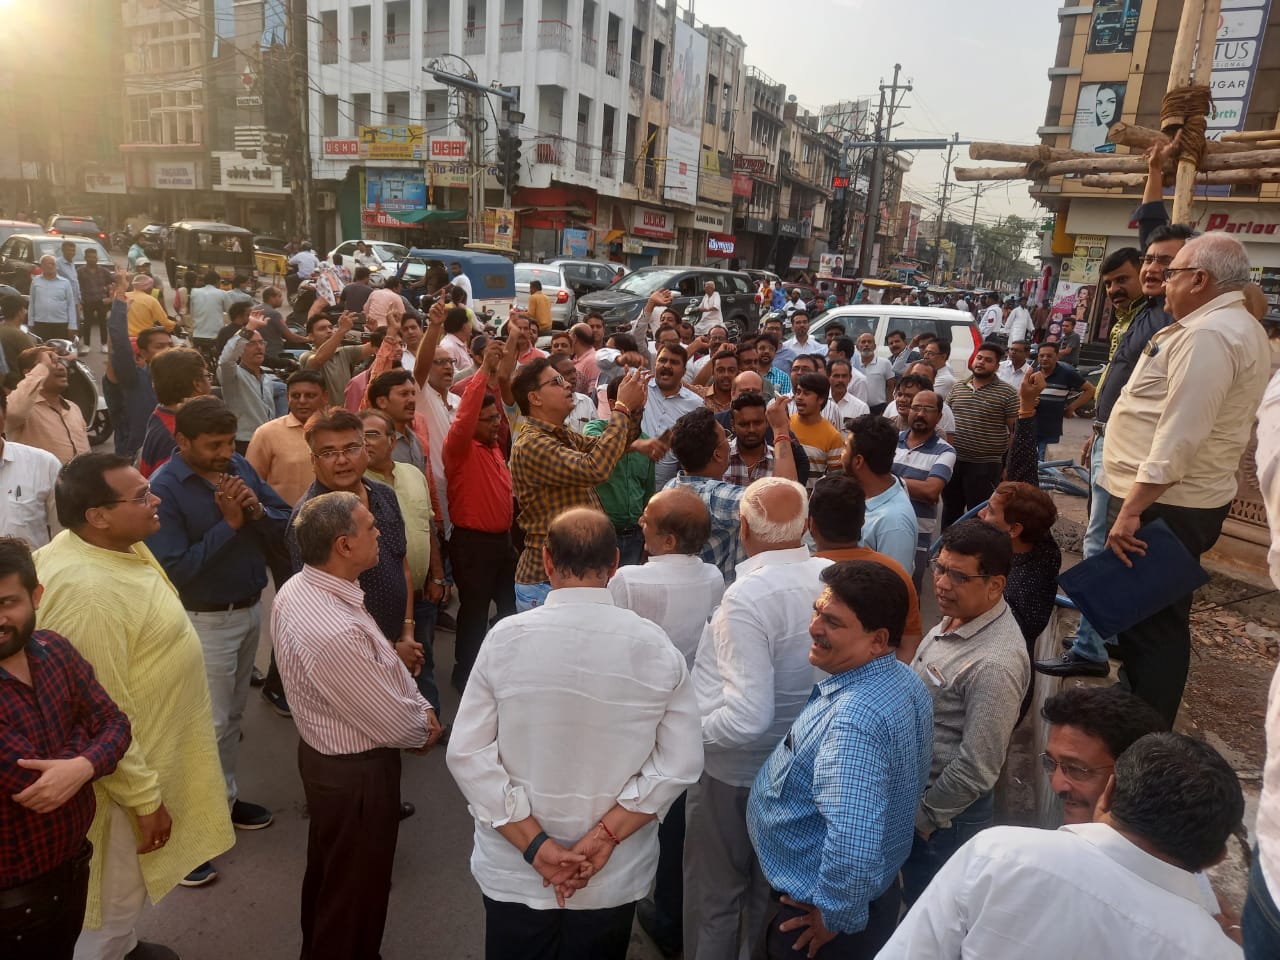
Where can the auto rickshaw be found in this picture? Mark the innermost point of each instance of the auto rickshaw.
(204, 245)
(493, 278)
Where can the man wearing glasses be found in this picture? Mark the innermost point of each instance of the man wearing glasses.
(975, 666)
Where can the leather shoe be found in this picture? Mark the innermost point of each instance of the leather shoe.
(1072, 665)
(1113, 649)
(407, 810)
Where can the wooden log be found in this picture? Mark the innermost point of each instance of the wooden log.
(1098, 163)
(1249, 136)
(1140, 138)
(1195, 13)
(1214, 178)
(966, 174)
(1242, 161)
(1021, 152)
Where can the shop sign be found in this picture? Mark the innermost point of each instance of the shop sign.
(799, 262)
(710, 220)
(105, 181)
(720, 246)
(380, 218)
(756, 225)
(252, 176)
(742, 163)
(658, 224)
(340, 147)
(789, 228)
(393, 142)
(396, 190)
(632, 246)
(1256, 227)
(447, 149)
(173, 176)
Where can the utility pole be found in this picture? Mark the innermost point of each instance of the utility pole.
(872, 217)
(942, 207)
(973, 229)
(300, 154)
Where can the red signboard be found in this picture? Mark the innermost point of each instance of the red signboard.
(742, 184)
(839, 182)
(447, 149)
(750, 164)
(720, 246)
(658, 224)
(341, 147)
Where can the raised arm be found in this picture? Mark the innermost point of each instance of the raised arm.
(324, 353)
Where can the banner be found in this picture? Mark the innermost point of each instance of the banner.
(720, 246)
(393, 142)
(742, 185)
(1086, 259)
(1115, 23)
(830, 265)
(1099, 107)
(504, 227)
(657, 224)
(686, 105)
(395, 191)
(576, 242)
(1235, 63)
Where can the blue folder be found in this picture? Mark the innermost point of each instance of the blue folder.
(1115, 597)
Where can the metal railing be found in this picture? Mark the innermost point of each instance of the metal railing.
(396, 47)
(510, 36)
(435, 43)
(473, 39)
(726, 121)
(548, 151)
(328, 51)
(711, 113)
(612, 60)
(650, 175)
(609, 163)
(637, 75)
(360, 49)
(657, 85)
(590, 50)
(555, 35)
(582, 158)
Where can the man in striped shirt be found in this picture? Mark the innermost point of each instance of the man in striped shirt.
(356, 708)
(924, 462)
(986, 410)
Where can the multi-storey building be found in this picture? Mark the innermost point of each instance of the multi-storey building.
(808, 164)
(757, 180)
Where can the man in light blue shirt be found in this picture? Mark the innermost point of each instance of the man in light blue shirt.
(832, 812)
(51, 313)
(891, 527)
(209, 303)
(66, 264)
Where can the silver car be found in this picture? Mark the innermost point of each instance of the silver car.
(554, 284)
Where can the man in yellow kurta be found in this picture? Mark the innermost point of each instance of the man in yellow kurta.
(163, 811)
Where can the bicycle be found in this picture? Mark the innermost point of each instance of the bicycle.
(1065, 476)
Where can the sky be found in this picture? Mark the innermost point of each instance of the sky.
(977, 68)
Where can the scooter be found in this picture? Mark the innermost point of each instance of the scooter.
(83, 390)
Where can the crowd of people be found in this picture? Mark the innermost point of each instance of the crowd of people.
(696, 687)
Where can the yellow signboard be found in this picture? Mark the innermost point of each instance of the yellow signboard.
(393, 142)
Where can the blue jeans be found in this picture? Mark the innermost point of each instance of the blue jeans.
(1042, 450)
(1260, 926)
(928, 856)
(424, 631)
(530, 595)
(1088, 645)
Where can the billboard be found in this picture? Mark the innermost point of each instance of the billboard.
(395, 191)
(1235, 62)
(684, 120)
(1099, 107)
(1115, 23)
(397, 142)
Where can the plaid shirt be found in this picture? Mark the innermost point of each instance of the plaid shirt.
(780, 380)
(832, 811)
(554, 469)
(740, 473)
(724, 548)
(63, 713)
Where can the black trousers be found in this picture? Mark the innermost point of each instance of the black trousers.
(484, 571)
(41, 919)
(50, 331)
(354, 805)
(668, 889)
(513, 931)
(971, 483)
(882, 917)
(94, 314)
(1157, 651)
(281, 567)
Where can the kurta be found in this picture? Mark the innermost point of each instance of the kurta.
(123, 615)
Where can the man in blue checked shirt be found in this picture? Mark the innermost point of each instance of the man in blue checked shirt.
(832, 813)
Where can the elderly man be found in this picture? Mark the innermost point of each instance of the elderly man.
(247, 389)
(563, 849)
(163, 812)
(752, 676)
(51, 314)
(39, 414)
(831, 812)
(1175, 438)
(1168, 811)
(356, 708)
(145, 310)
(27, 475)
(975, 666)
(878, 372)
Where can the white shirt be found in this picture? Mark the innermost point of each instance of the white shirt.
(1268, 461)
(27, 476)
(810, 346)
(752, 672)
(710, 315)
(858, 382)
(847, 408)
(992, 321)
(439, 414)
(943, 381)
(585, 409)
(614, 681)
(1010, 375)
(878, 372)
(458, 351)
(988, 901)
(306, 261)
(677, 592)
(463, 281)
(1019, 324)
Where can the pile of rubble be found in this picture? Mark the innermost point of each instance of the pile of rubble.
(1235, 636)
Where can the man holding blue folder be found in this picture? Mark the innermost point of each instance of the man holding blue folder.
(1175, 438)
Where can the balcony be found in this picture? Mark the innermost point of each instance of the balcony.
(510, 36)
(657, 86)
(473, 39)
(329, 50)
(582, 158)
(650, 175)
(637, 75)
(610, 163)
(435, 43)
(548, 151)
(590, 50)
(555, 35)
(612, 60)
(360, 48)
(397, 47)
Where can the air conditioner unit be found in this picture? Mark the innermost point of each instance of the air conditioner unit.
(326, 200)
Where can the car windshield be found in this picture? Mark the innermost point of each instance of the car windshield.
(53, 247)
(7, 230)
(644, 282)
(544, 275)
(390, 251)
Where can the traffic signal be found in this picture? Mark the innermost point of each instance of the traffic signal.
(274, 147)
(836, 233)
(508, 159)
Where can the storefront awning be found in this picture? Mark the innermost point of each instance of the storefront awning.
(429, 216)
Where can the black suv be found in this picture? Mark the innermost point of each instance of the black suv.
(622, 302)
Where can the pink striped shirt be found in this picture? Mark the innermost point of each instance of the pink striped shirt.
(347, 688)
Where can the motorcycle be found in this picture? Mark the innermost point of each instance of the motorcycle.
(84, 391)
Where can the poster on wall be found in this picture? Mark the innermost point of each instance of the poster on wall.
(575, 242)
(1068, 300)
(686, 101)
(1115, 24)
(395, 191)
(504, 227)
(1097, 110)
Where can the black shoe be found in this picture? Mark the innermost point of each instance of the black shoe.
(1068, 642)
(407, 810)
(647, 915)
(445, 621)
(151, 951)
(1113, 650)
(1072, 665)
(445, 734)
(256, 679)
(200, 876)
(278, 703)
(250, 816)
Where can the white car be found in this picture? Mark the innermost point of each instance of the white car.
(954, 326)
(384, 250)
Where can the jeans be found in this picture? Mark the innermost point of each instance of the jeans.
(1042, 450)
(424, 631)
(1260, 925)
(928, 856)
(229, 640)
(530, 595)
(484, 570)
(44, 915)
(1088, 645)
(630, 547)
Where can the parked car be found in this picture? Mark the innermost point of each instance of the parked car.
(9, 227)
(20, 255)
(954, 326)
(61, 223)
(586, 276)
(384, 250)
(621, 303)
(555, 284)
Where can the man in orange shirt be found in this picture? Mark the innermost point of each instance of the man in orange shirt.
(837, 508)
(539, 308)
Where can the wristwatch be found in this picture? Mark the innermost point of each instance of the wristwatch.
(440, 583)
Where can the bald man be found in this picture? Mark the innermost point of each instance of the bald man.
(677, 590)
(552, 669)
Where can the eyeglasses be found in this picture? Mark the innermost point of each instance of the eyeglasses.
(1174, 271)
(558, 380)
(141, 500)
(374, 434)
(349, 452)
(1078, 773)
(1163, 259)
(443, 362)
(916, 408)
(958, 578)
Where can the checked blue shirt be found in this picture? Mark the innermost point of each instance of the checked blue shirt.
(832, 811)
(724, 547)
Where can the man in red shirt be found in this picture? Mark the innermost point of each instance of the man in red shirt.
(484, 560)
(59, 731)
